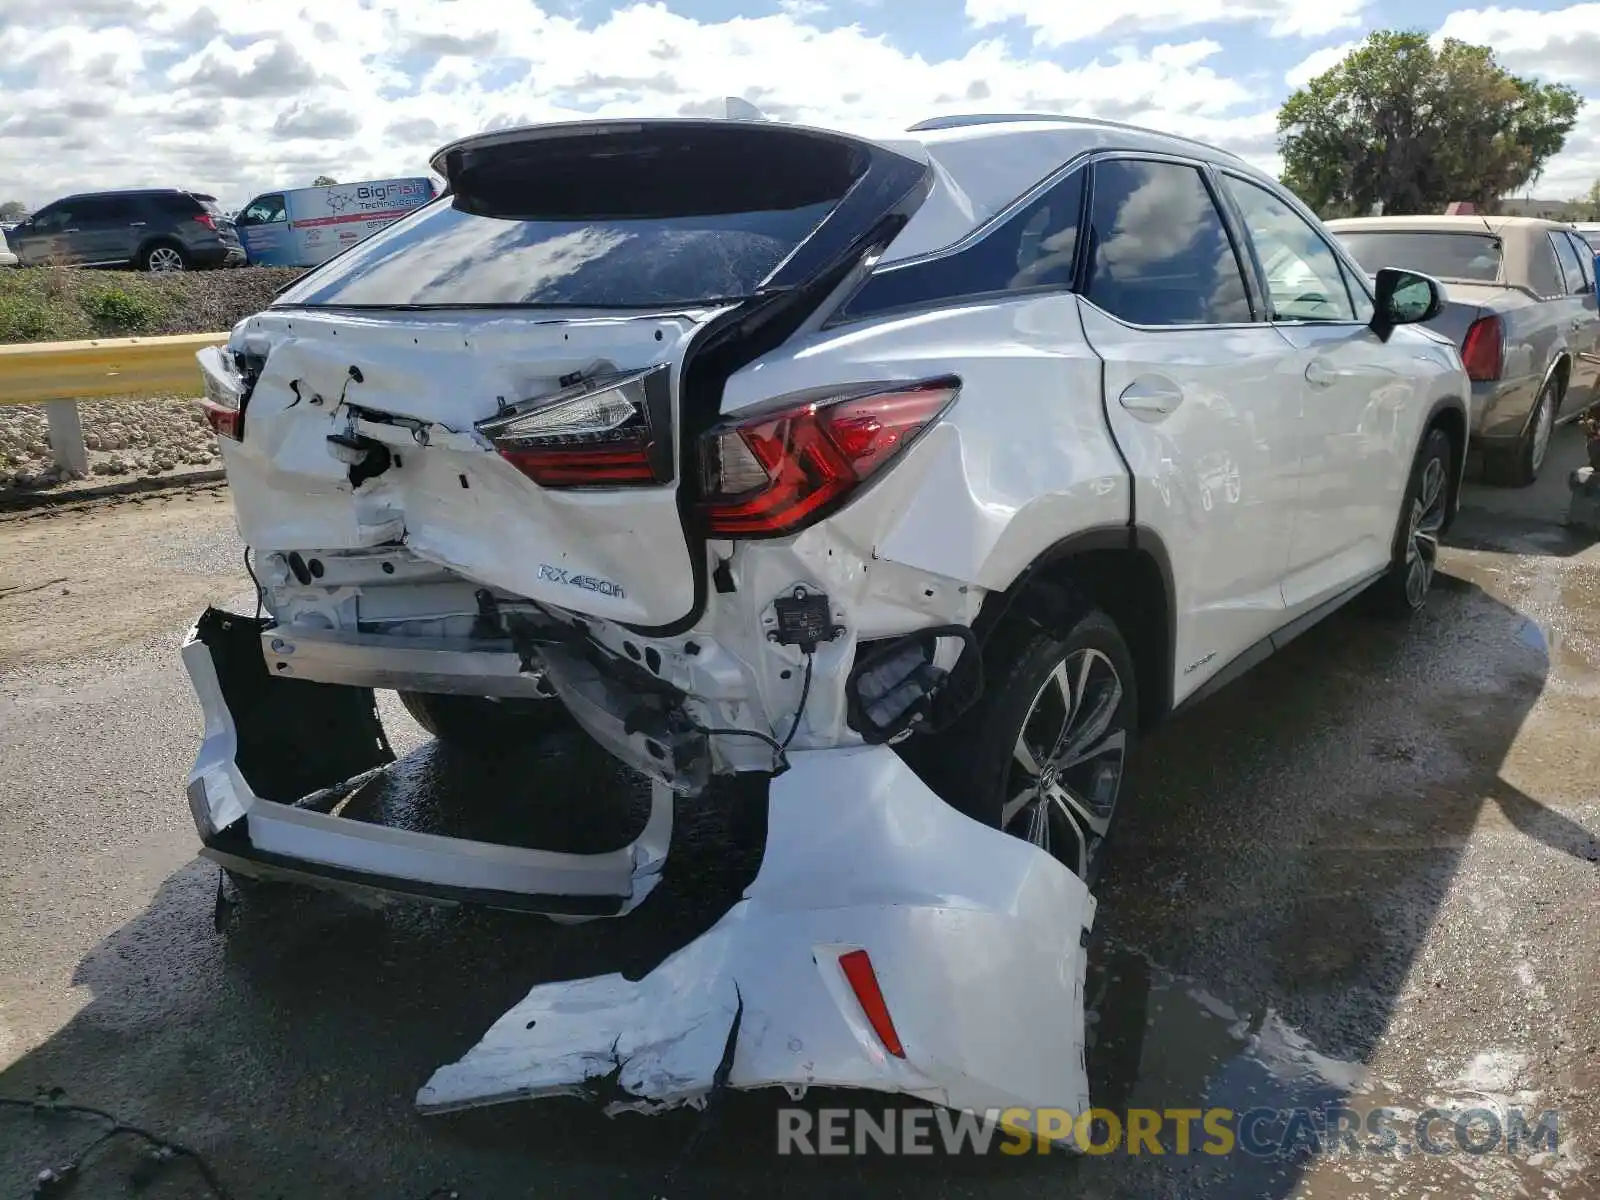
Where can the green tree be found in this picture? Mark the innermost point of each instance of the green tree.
(1415, 126)
(13, 210)
(324, 181)
(1587, 207)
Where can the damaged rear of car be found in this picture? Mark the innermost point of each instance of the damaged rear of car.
(578, 442)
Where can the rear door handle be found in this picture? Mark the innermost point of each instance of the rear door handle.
(135, 224)
(1319, 374)
(1151, 397)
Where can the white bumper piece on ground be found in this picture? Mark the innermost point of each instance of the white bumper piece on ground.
(975, 939)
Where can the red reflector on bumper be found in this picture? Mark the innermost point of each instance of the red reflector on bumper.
(863, 980)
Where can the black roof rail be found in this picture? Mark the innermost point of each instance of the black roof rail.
(966, 120)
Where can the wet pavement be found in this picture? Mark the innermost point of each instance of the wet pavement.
(1363, 878)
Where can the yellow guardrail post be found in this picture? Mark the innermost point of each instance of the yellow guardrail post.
(59, 374)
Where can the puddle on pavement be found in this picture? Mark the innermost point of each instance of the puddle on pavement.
(1161, 1041)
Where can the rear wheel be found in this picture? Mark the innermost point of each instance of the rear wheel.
(483, 722)
(1519, 465)
(1042, 755)
(163, 256)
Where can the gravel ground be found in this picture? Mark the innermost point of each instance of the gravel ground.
(125, 437)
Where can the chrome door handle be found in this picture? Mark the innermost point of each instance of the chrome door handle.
(1151, 398)
(1319, 374)
(69, 231)
(135, 224)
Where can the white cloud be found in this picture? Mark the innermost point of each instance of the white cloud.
(1316, 63)
(1058, 22)
(243, 99)
(1561, 44)
(359, 89)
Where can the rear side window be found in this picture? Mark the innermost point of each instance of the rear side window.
(1544, 273)
(1571, 264)
(634, 219)
(174, 204)
(1585, 255)
(1160, 253)
(1474, 257)
(1034, 250)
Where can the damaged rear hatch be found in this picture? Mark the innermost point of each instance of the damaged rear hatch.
(505, 380)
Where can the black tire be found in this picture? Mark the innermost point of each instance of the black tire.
(482, 723)
(977, 766)
(163, 251)
(1519, 465)
(1423, 513)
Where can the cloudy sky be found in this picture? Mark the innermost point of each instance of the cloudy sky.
(242, 97)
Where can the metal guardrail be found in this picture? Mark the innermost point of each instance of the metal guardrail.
(59, 374)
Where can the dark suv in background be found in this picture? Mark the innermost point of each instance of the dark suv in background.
(153, 229)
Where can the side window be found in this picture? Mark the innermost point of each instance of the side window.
(1585, 254)
(1359, 296)
(1571, 264)
(98, 208)
(1034, 250)
(1304, 282)
(49, 218)
(1159, 251)
(1544, 274)
(263, 210)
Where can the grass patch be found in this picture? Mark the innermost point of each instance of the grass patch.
(63, 304)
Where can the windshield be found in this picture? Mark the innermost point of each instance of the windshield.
(1469, 256)
(641, 216)
(442, 256)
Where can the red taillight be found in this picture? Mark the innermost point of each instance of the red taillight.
(584, 466)
(224, 421)
(863, 980)
(600, 432)
(206, 219)
(774, 472)
(1483, 350)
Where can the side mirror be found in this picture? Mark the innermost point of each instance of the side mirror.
(1404, 298)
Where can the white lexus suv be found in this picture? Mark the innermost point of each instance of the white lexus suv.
(919, 474)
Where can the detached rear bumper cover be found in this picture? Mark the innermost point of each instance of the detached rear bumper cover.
(271, 742)
(975, 937)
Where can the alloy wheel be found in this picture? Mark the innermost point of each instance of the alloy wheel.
(1067, 765)
(1422, 543)
(165, 258)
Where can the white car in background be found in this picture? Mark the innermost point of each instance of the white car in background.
(916, 475)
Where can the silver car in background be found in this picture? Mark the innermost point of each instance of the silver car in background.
(1522, 309)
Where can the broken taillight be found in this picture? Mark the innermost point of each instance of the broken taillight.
(1483, 349)
(206, 219)
(776, 470)
(228, 377)
(603, 431)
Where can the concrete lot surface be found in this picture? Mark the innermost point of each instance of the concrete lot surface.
(1366, 874)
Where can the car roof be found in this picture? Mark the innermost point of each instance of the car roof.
(119, 193)
(983, 162)
(1444, 224)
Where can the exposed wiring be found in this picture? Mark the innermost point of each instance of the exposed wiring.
(251, 571)
(780, 759)
(805, 694)
(55, 1181)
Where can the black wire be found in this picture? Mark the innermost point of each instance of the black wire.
(251, 571)
(753, 733)
(805, 693)
(118, 1128)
